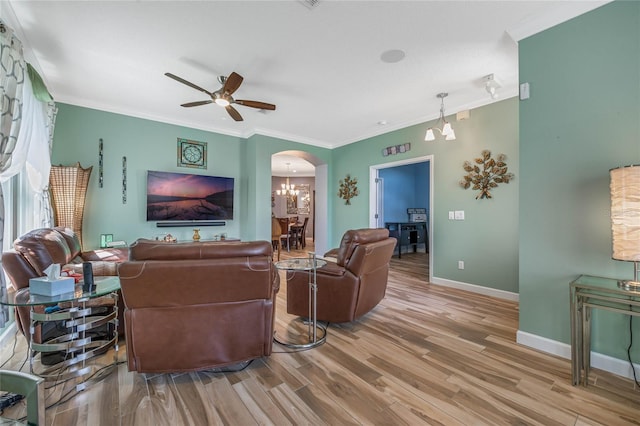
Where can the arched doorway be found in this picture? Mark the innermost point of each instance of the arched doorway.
(309, 170)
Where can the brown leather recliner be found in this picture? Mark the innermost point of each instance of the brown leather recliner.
(351, 286)
(197, 306)
(36, 250)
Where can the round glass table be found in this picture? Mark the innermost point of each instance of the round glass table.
(311, 264)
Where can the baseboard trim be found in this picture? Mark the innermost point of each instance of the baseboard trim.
(607, 363)
(487, 291)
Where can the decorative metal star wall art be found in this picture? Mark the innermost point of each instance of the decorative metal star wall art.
(486, 173)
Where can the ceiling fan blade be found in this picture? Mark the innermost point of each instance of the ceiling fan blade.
(256, 104)
(233, 113)
(188, 83)
(196, 103)
(232, 83)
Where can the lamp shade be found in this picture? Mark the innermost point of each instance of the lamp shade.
(429, 136)
(625, 212)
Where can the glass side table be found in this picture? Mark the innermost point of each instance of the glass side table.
(311, 264)
(587, 293)
(80, 319)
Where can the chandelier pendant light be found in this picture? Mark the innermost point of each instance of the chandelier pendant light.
(446, 130)
(287, 188)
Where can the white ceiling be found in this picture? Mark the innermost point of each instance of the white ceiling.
(320, 66)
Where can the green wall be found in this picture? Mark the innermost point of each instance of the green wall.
(582, 119)
(150, 145)
(487, 240)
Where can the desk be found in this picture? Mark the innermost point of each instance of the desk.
(310, 263)
(587, 292)
(79, 320)
(409, 234)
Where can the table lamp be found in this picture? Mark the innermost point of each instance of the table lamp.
(625, 219)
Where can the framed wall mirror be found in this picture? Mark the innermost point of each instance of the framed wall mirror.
(304, 199)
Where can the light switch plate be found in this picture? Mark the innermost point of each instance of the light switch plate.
(524, 91)
(451, 215)
(459, 215)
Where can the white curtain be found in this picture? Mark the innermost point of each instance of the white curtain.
(36, 133)
(12, 77)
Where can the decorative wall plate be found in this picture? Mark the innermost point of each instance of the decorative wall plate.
(192, 154)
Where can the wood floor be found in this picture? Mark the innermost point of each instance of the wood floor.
(426, 355)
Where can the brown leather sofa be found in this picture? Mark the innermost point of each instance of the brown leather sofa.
(198, 306)
(34, 251)
(352, 285)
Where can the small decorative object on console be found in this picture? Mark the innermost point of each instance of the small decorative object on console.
(196, 234)
(486, 174)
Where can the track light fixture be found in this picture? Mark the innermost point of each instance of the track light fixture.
(446, 130)
(491, 84)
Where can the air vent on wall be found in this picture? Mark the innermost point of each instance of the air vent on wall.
(310, 3)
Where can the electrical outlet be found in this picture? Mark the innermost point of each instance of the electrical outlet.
(460, 264)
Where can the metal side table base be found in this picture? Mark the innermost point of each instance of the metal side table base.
(306, 264)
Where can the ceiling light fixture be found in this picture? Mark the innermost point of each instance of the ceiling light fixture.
(287, 188)
(491, 83)
(223, 102)
(446, 130)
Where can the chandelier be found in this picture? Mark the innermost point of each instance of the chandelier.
(287, 188)
(446, 130)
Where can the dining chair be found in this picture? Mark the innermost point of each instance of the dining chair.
(284, 231)
(302, 235)
(276, 235)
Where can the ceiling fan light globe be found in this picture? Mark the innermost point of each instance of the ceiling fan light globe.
(429, 136)
(222, 102)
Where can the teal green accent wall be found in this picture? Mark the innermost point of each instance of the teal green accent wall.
(582, 119)
(487, 241)
(151, 145)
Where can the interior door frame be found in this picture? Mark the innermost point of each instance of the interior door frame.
(374, 202)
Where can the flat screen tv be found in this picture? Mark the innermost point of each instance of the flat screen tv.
(188, 197)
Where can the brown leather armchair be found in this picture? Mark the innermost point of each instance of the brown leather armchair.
(351, 286)
(34, 251)
(197, 306)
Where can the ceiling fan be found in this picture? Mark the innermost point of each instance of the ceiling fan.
(223, 96)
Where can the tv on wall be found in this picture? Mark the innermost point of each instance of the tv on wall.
(188, 197)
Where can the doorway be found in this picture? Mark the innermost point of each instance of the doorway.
(316, 171)
(377, 192)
